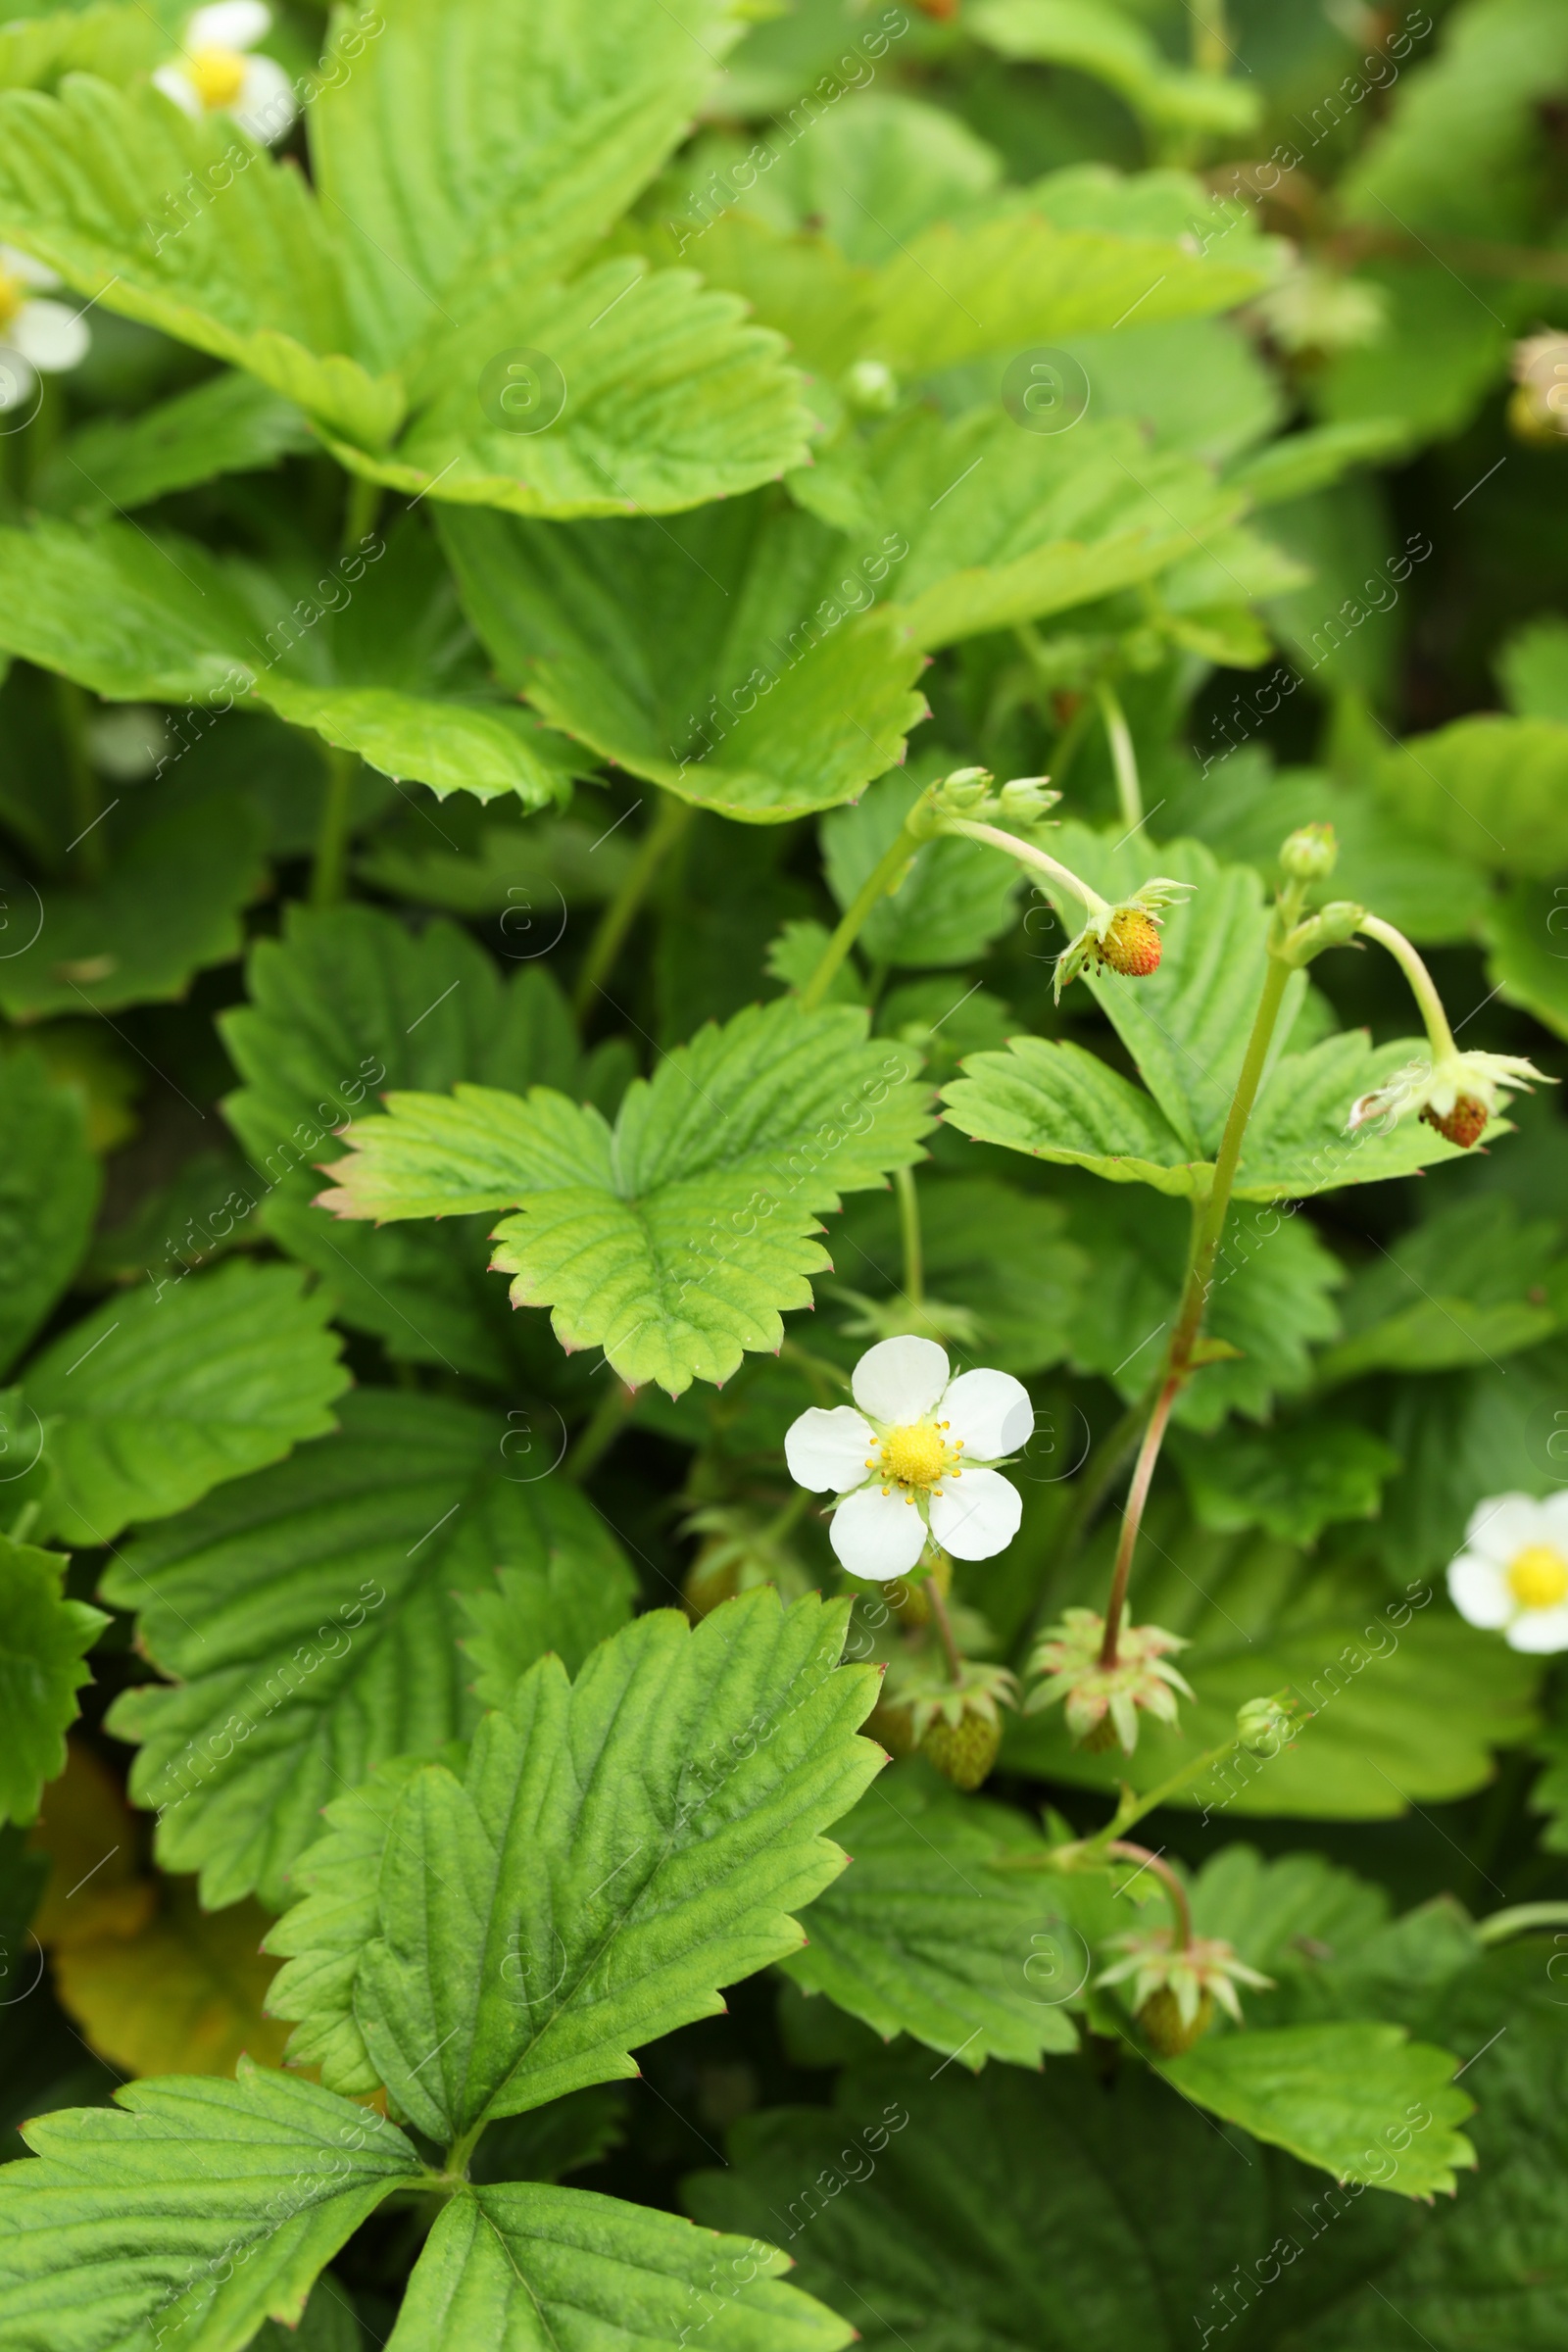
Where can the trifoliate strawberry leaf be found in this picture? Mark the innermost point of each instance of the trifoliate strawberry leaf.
(230, 424)
(616, 1850)
(668, 396)
(921, 1936)
(729, 655)
(366, 652)
(1004, 526)
(1399, 1703)
(1292, 1480)
(526, 2266)
(188, 228)
(957, 898)
(1526, 934)
(311, 1617)
(1493, 790)
(1271, 1302)
(349, 1002)
(1470, 1285)
(162, 1393)
(180, 875)
(183, 1994)
(532, 131)
(1361, 2100)
(672, 1240)
(191, 2205)
(43, 1637)
(49, 1188)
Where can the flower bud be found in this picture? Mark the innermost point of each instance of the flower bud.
(1025, 800)
(871, 388)
(1262, 1727)
(1310, 853)
(965, 789)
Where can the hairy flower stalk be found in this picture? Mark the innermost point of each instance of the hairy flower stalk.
(1457, 1094)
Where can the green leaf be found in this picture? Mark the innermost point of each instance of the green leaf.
(1465, 1435)
(310, 1618)
(618, 1850)
(1526, 932)
(230, 424)
(1471, 1284)
(527, 2268)
(1106, 44)
(1000, 1255)
(720, 655)
(156, 1398)
(566, 1605)
(673, 1240)
(1343, 2096)
(367, 653)
(524, 873)
(1533, 670)
(1293, 1482)
(103, 37)
(168, 907)
(1003, 525)
(49, 1189)
(1405, 1701)
(348, 1002)
(466, 154)
(1244, 810)
(955, 898)
(187, 227)
(1270, 1301)
(1492, 789)
(329, 2324)
(920, 1936)
(1058, 1102)
(209, 2207)
(671, 397)
(42, 1666)
(1315, 457)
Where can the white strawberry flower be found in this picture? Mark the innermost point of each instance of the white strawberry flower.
(217, 73)
(37, 337)
(917, 1459)
(1512, 1575)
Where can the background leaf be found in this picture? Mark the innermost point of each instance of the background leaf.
(184, 1992)
(42, 1667)
(49, 1188)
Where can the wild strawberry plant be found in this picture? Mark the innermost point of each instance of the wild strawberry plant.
(668, 667)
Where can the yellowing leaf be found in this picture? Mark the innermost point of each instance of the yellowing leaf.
(183, 1995)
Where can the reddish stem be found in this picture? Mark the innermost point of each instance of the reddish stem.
(1167, 1878)
(1132, 1515)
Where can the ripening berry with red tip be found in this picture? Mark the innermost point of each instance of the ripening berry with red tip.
(1131, 944)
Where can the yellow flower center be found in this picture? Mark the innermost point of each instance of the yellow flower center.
(1538, 1578)
(13, 294)
(218, 76)
(918, 1454)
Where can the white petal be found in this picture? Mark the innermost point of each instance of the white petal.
(23, 266)
(181, 88)
(229, 25)
(828, 1451)
(1539, 1631)
(265, 107)
(50, 335)
(878, 1535)
(1479, 1591)
(1555, 1513)
(17, 380)
(900, 1380)
(976, 1514)
(991, 1412)
(1504, 1526)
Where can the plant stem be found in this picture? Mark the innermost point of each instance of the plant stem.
(1200, 1273)
(360, 509)
(885, 875)
(665, 830)
(86, 794)
(1128, 1816)
(1028, 854)
(910, 1230)
(1518, 1918)
(599, 1431)
(823, 1375)
(1422, 984)
(1123, 756)
(333, 834)
(456, 2166)
(1211, 50)
(1181, 1909)
(943, 1626)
